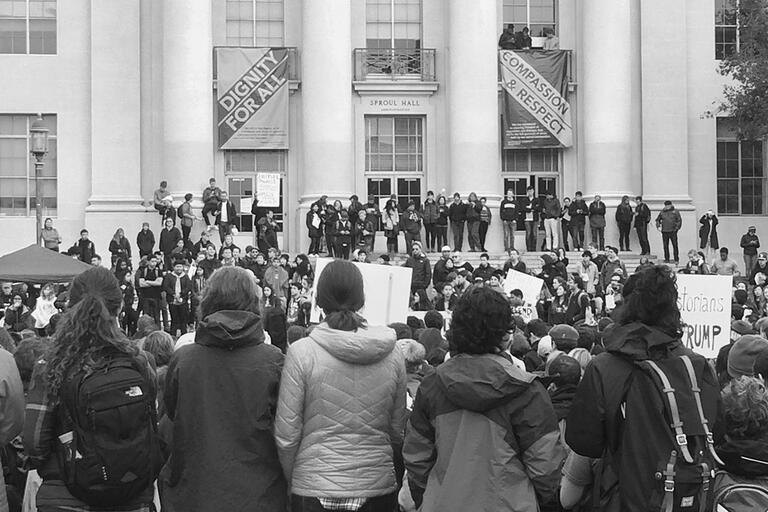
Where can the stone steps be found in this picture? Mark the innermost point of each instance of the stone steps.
(532, 260)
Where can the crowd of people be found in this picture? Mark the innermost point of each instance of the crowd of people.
(232, 398)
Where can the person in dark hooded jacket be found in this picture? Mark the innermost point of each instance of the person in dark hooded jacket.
(482, 434)
(221, 394)
(603, 419)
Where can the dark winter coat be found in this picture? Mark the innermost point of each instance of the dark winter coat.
(669, 220)
(473, 211)
(578, 210)
(527, 206)
(422, 271)
(508, 210)
(551, 208)
(708, 232)
(221, 394)
(624, 214)
(87, 250)
(597, 214)
(642, 215)
(442, 215)
(457, 212)
(753, 450)
(430, 211)
(168, 240)
(120, 250)
(595, 422)
(750, 243)
(145, 241)
(314, 232)
(410, 222)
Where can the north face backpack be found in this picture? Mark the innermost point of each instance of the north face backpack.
(666, 430)
(109, 452)
(737, 494)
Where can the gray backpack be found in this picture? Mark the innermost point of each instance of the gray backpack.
(737, 494)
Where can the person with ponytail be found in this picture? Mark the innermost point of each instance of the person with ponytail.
(87, 340)
(342, 405)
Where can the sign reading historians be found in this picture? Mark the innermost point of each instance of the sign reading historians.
(252, 98)
(705, 308)
(536, 111)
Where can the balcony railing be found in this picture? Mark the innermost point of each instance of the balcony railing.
(394, 64)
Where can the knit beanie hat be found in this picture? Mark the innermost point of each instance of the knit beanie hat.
(741, 359)
(742, 327)
(340, 288)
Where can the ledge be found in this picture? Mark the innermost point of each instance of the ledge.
(394, 87)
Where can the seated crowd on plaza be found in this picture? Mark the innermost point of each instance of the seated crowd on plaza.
(483, 399)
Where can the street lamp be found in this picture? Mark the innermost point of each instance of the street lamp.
(38, 146)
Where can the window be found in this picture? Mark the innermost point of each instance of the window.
(726, 28)
(17, 167)
(394, 144)
(393, 24)
(742, 188)
(534, 14)
(531, 160)
(28, 26)
(257, 23)
(241, 167)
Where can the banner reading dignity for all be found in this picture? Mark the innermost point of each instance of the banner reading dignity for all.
(252, 98)
(705, 308)
(536, 111)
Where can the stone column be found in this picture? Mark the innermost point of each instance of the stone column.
(473, 106)
(665, 116)
(605, 87)
(115, 106)
(187, 97)
(326, 99)
(115, 121)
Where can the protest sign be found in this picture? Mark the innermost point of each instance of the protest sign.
(268, 189)
(705, 308)
(387, 292)
(531, 288)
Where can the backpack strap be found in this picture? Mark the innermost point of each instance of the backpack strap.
(677, 423)
(705, 477)
(668, 502)
(697, 395)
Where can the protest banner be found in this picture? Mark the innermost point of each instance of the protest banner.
(252, 98)
(705, 309)
(536, 110)
(387, 292)
(268, 189)
(531, 288)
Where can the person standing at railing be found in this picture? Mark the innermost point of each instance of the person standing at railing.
(552, 42)
(507, 39)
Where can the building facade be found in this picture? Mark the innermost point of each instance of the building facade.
(385, 97)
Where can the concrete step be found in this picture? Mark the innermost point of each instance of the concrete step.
(532, 260)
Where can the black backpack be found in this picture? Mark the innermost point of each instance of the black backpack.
(179, 213)
(109, 452)
(737, 494)
(675, 447)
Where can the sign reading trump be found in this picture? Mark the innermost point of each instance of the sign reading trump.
(705, 308)
(252, 98)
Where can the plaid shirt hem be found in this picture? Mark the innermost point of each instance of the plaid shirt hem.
(350, 504)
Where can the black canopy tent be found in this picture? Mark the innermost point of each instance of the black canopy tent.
(35, 264)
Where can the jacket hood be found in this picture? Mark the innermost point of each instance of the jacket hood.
(638, 341)
(747, 458)
(548, 259)
(230, 329)
(364, 346)
(482, 382)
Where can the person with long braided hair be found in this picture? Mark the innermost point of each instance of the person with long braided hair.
(87, 340)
